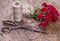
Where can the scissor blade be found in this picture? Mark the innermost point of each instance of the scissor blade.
(37, 29)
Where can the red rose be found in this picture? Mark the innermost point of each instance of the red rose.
(44, 4)
(48, 17)
(54, 10)
(43, 10)
(43, 24)
(40, 16)
(54, 19)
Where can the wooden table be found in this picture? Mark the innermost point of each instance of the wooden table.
(53, 32)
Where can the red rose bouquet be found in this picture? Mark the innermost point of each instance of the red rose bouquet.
(46, 14)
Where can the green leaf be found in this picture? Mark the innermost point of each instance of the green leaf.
(38, 11)
(41, 20)
(34, 15)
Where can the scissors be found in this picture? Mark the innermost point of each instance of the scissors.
(10, 25)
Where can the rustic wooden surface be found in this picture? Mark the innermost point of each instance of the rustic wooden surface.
(53, 32)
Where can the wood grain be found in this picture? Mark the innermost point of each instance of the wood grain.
(53, 32)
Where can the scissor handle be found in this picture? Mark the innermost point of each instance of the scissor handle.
(8, 22)
(6, 30)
